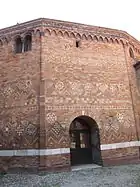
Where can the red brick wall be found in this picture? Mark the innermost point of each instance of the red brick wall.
(134, 88)
(42, 91)
(19, 96)
(93, 80)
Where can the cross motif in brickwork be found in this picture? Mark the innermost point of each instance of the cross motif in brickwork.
(19, 130)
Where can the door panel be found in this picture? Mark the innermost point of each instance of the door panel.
(96, 152)
(85, 142)
(81, 150)
(81, 156)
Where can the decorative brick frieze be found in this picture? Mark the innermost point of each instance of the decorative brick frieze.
(71, 70)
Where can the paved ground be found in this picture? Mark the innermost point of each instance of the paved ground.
(119, 176)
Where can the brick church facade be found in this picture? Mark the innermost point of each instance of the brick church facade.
(69, 95)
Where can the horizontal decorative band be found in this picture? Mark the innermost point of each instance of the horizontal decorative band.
(120, 145)
(34, 152)
(47, 152)
(66, 107)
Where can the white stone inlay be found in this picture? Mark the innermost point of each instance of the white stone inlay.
(47, 152)
(120, 145)
(34, 152)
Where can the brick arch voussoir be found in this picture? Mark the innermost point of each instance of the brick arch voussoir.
(116, 41)
(72, 35)
(47, 32)
(106, 40)
(127, 43)
(101, 39)
(5, 40)
(28, 33)
(17, 36)
(89, 37)
(37, 33)
(53, 32)
(79, 113)
(60, 33)
(111, 40)
(84, 37)
(78, 36)
(122, 42)
(96, 38)
(66, 34)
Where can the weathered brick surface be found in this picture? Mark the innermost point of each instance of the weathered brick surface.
(19, 98)
(97, 79)
(121, 156)
(42, 91)
(92, 78)
(57, 162)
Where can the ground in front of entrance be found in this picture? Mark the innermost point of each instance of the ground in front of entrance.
(118, 176)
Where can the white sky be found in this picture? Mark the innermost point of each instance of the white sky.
(119, 14)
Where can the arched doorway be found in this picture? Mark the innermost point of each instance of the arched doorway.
(85, 141)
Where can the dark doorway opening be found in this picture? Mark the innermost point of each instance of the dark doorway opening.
(85, 141)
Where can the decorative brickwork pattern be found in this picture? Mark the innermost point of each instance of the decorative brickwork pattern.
(43, 90)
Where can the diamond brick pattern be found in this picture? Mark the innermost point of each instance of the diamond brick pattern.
(43, 90)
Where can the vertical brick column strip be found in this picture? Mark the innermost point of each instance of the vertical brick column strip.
(132, 86)
(42, 132)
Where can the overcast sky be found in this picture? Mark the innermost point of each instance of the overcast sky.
(119, 14)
